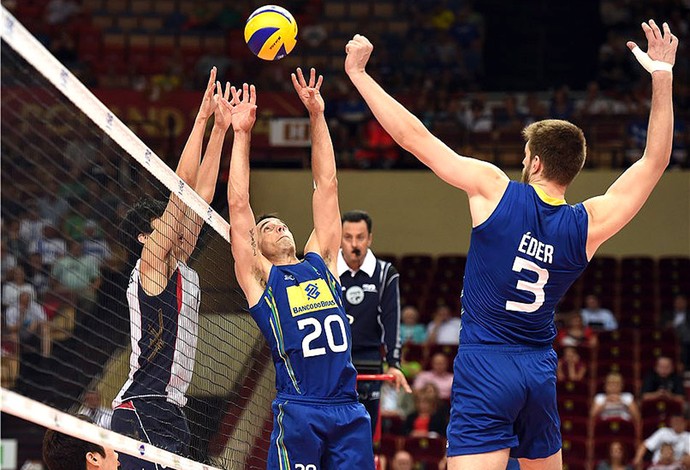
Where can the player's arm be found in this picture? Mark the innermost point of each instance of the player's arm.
(157, 246)
(390, 318)
(325, 239)
(610, 212)
(471, 175)
(207, 174)
(251, 268)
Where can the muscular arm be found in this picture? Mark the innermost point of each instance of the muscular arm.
(325, 239)
(609, 213)
(154, 271)
(483, 182)
(207, 175)
(251, 268)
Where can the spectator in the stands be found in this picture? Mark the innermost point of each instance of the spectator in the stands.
(663, 382)
(52, 207)
(31, 224)
(617, 459)
(614, 403)
(15, 286)
(411, 331)
(378, 149)
(443, 328)
(477, 116)
(675, 434)
(570, 366)
(561, 106)
(429, 418)
(38, 275)
(58, 12)
(14, 243)
(509, 117)
(7, 262)
(94, 244)
(594, 103)
(576, 333)
(73, 225)
(667, 459)
(438, 375)
(402, 460)
(92, 406)
(51, 246)
(27, 327)
(679, 319)
(596, 316)
(77, 276)
(352, 113)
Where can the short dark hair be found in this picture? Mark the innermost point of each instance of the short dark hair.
(561, 146)
(357, 216)
(263, 217)
(138, 220)
(63, 452)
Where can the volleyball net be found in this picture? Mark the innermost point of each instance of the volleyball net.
(71, 169)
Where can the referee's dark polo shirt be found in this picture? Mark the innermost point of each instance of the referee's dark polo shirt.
(371, 297)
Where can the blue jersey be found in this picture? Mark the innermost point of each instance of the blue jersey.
(521, 261)
(301, 315)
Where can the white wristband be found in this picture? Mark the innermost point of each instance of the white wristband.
(649, 64)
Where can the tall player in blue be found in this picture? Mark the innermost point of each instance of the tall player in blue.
(297, 304)
(164, 295)
(527, 248)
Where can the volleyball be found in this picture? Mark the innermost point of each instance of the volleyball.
(271, 32)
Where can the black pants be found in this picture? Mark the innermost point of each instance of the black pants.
(369, 391)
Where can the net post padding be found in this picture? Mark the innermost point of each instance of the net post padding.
(43, 415)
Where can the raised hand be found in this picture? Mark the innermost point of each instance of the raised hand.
(358, 50)
(208, 103)
(223, 112)
(244, 108)
(660, 46)
(309, 92)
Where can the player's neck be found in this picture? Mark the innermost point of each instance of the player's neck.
(282, 259)
(551, 189)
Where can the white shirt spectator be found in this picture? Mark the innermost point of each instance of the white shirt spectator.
(601, 319)
(8, 262)
(679, 441)
(31, 230)
(50, 249)
(98, 248)
(34, 313)
(447, 333)
(11, 291)
(615, 411)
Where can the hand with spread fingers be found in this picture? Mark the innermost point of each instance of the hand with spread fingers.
(223, 111)
(661, 47)
(244, 108)
(309, 93)
(208, 102)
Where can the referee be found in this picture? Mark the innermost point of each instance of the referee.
(372, 303)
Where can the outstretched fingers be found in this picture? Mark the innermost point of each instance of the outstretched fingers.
(252, 95)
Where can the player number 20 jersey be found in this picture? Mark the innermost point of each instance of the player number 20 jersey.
(301, 315)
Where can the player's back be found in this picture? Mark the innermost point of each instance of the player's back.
(521, 261)
(301, 315)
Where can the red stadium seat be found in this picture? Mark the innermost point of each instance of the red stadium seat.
(570, 388)
(614, 428)
(575, 426)
(425, 447)
(660, 408)
(573, 406)
(574, 448)
(389, 445)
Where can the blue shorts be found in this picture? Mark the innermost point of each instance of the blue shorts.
(155, 421)
(319, 436)
(504, 397)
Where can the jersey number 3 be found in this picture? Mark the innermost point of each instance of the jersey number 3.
(308, 350)
(536, 288)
